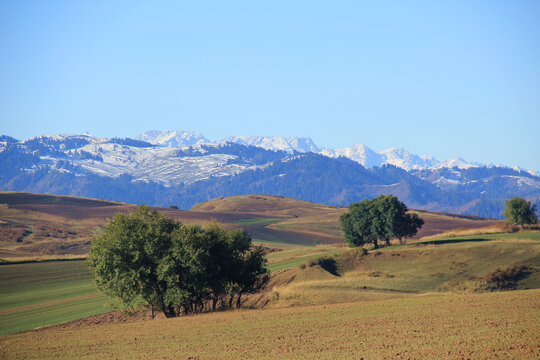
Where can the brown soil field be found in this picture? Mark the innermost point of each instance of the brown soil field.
(35, 225)
(476, 326)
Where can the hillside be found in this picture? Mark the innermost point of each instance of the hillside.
(48, 226)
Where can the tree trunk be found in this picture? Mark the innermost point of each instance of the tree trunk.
(169, 311)
(375, 245)
(239, 300)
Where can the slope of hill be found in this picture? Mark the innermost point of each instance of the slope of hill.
(47, 226)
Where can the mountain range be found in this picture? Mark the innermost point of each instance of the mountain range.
(183, 168)
(360, 153)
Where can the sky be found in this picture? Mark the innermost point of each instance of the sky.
(445, 78)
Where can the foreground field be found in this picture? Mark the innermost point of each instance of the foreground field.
(480, 326)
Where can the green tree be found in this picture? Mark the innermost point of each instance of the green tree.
(174, 268)
(126, 258)
(357, 224)
(519, 211)
(379, 219)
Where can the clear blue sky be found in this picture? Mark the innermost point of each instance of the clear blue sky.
(448, 78)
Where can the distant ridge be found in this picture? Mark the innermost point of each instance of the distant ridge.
(360, 153)
(151, 170)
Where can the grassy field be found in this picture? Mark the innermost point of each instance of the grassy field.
(412, 301)
(40, 294)
(444, 266)
(480, 326)
(48, 293)
(420, 300)
(482, 237)
(294, 257)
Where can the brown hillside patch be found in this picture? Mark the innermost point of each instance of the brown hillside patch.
(267, 205)
(35, 224)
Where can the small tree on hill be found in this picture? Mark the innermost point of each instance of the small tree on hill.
(519, 211)
(382, 218)
(356, 224)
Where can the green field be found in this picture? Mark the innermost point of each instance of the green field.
(483, 237)
(47, 293)
(296, 256)
(40, 294)
(256, 221)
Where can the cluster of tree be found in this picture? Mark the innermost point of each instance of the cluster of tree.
(519, 211)
(175, 268)
(380, 219)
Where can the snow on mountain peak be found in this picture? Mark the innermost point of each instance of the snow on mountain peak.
(290, 145)
(404, 159)
(359, 153)
(173, 138)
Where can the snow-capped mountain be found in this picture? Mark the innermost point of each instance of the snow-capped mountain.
(159, 173)
(140, 160)
(402, 158)
(173, 138)
(290, 145)
(359, 153)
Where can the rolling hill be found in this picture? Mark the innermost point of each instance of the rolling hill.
(401, 291)
(50, 226)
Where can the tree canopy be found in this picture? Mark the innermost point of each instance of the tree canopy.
(175, 268)
(379, 219)
(519, 211)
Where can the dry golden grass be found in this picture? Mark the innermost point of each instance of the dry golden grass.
(498, 228)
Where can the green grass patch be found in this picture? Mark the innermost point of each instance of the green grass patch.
(256, 221)
(447, 267)
(484, 237)
(297, 260)
(38, 294)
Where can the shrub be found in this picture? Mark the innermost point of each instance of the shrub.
(329, 264)
(508, 278)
